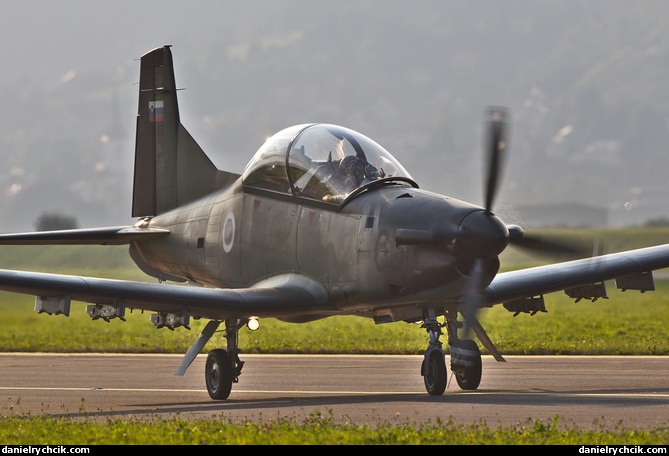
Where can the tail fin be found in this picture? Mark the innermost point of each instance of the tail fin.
(170, 167)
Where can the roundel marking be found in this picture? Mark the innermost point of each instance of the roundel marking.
(228, 232)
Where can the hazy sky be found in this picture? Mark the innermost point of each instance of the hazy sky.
(64, 45)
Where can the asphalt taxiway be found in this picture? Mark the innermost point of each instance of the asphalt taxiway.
(585, 391)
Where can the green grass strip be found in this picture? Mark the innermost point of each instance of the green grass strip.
(314, 430)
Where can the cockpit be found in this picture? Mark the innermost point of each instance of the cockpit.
(321, 162)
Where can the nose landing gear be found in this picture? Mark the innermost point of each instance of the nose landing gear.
(465, 358)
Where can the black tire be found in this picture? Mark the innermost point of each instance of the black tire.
(218, 374)
(469, 376)
(434, 373)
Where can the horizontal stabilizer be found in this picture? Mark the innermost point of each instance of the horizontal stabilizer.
(118, 235)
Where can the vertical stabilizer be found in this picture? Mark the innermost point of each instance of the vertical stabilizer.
(170, 167)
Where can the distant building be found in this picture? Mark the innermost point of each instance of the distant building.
(562, 215)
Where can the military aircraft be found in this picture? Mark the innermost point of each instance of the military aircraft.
(323, 221)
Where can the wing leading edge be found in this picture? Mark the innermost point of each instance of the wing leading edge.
(631, 268)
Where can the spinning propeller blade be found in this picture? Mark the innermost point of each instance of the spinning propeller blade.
(544, 244)
(488, 240)
(498, 119)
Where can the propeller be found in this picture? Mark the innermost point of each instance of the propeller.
(483, 235)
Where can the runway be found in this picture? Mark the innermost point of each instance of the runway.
(584, 391)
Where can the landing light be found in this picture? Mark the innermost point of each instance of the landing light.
(253, 323)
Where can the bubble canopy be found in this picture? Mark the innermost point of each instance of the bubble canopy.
(321, 162)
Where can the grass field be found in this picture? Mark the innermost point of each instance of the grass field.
(315, 430)
(626, 324)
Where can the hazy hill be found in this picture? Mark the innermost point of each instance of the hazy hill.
(586, 82)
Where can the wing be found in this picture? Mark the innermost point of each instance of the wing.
(282, 296)
(290, 297)
(580, 278)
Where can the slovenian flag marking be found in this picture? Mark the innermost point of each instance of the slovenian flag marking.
(156, 111)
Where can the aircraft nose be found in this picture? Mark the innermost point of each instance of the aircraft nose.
(482, 235)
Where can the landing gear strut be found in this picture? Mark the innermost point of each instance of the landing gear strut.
(465, 357)
(224, 367)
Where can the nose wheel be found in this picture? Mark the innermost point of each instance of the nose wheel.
(434, 373)
(433, 368)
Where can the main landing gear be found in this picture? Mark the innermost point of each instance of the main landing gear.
(224, 367)
(465, 357)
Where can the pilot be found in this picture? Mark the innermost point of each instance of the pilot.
(353, 172)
